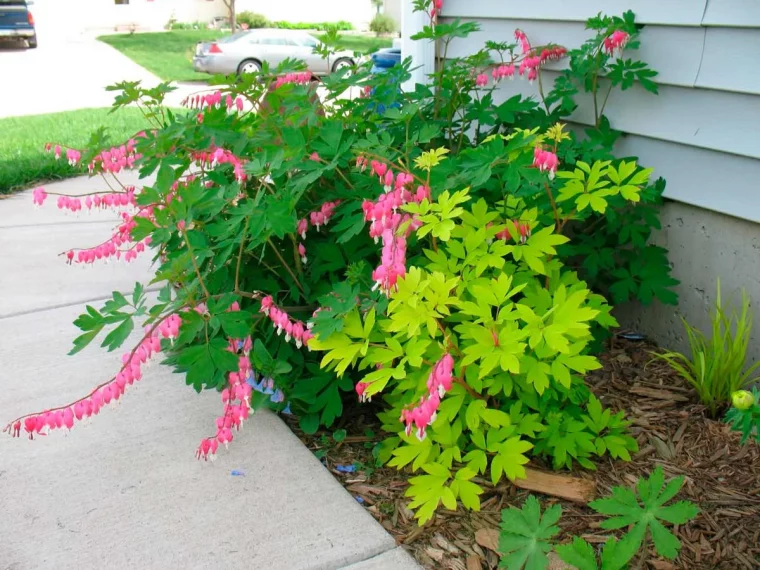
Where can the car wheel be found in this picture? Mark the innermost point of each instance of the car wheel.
(31, 43)
(249, 66)
(342, 63)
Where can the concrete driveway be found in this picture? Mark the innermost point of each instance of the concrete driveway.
(69, 70)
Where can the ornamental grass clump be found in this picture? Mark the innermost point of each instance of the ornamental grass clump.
(718, 367)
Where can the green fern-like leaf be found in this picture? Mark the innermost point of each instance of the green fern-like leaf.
(525, 536)
(645, 508)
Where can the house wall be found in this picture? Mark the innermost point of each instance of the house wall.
(392, 8)
(702, 133)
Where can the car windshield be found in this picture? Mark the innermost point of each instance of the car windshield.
(308, 41)
(229, 39)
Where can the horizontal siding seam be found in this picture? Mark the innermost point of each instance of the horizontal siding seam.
(690, 85)
(446, 18)
(584, 126)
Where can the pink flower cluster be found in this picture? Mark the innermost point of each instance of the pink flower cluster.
(529, 65)
(439, 382)
(72, 156)
(552, 53)
(385, 175)
(219, 155)
(39, 196)
(522, 228)
(361, 391)
(236, 398)
(386, 220)
(294, 329)
(301, 78)
(522, 39)
(435, 8)
(392, 262)
(111, 200)
(616, 42)
(213, 100)
(131, 371)
(111, 247)
(116, 159)
(318, 218)
(545, 161)
(502, 71)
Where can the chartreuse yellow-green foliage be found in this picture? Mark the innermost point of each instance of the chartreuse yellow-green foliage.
(517, 323)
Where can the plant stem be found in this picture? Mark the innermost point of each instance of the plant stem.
(195, 264)
(541, 92)
(640, 563)
(604, 104)
(593, 87)
(554, 204)
(240, 253)
(345, 179)
(287, 267)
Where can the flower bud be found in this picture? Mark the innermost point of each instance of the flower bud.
(742, 399)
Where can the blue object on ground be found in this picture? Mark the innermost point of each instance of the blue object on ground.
(345, 468)
(237, 473)
(383, 60)
(359, 499)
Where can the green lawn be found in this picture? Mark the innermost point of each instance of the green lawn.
(23, 161)
(169, 54)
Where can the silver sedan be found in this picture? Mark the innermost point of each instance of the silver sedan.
(244, 52)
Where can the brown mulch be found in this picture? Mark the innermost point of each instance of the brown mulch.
(722, 477)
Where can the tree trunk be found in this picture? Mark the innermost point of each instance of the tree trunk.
(231, 13)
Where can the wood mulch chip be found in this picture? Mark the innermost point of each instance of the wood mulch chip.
(722, 477)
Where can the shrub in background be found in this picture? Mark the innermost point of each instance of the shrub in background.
(341, 26)
(174, 25)
(383, 24)
(252, 20)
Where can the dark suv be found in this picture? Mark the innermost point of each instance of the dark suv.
(16, 22)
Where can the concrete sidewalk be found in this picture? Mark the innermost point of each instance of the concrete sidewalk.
(127, 489)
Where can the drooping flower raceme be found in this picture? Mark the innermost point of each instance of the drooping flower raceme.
(294, 329)
(386, 222)
(522, 231)
(615, 43)
(423, 414)
(545, 161)
(523, 41)
(318, 218)
(131, 371)
(219, 155)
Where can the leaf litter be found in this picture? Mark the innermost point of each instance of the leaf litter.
(673, 431)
